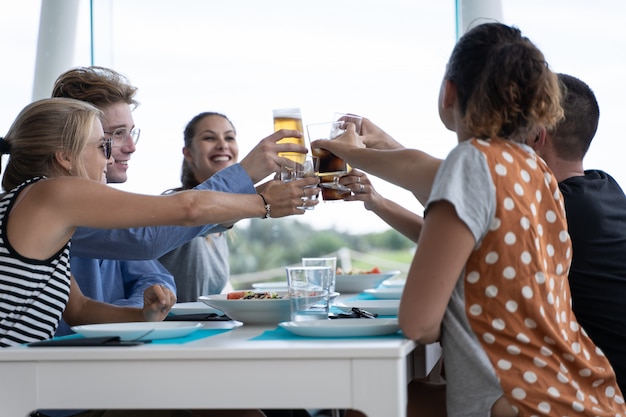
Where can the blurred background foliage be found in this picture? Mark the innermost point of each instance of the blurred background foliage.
(262, 249)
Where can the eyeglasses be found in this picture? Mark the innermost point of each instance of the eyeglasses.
(119, 135)
(107, 147)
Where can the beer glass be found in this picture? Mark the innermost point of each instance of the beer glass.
(289, 119)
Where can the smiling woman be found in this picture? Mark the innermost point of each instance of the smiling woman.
(379, 58)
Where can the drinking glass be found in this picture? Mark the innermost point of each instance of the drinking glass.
(309, 294)
(292, 170)
(289, 119)
(330, 261)
(350, 118)
(329, 165)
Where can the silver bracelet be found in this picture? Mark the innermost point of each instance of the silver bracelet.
(268, 208)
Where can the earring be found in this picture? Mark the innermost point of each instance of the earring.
(69, 171)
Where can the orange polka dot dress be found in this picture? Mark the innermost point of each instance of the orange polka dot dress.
(517, 298)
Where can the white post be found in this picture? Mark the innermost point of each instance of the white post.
(55, 43)
(469, 13)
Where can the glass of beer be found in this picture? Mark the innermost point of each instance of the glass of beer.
(330, 165)
(289, 119)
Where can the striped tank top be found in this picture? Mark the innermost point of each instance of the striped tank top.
(33, 293)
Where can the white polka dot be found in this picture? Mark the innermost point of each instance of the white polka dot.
(619, 400)
(580, 396)
(491, 291)
(562, 378)
(475, 310)
(509, 272)
(547, 177)
(549, 340)
(544, 407)
(568, 357)
(527, 292)
(489, 338)
(573, 326)
(511, 306)
(524, 175)
(563, 236)
(585, 372)
(551, 284)
(539, 362)
(538, 196)
(513, 350)
(510, 238)
(540, 278)
(530, 377)
(550, 216)
(504, 364)
(597, 383)
(495, 224)
(550, 298)
(519, 189)
(554, 392)
(522, 338)
(525, 223)
(576, 406)
(491, 258)
(545, 351)
(530, 323)
(550, 250)
(533, 209)
(526, 258)
(540, 233)
(498, 324)
(563, 368)
(593, 399)
(518, 393)
(531, 163)
(473, 277)
(500, 170)
(609, 392)
(559, 268)
(508, 204)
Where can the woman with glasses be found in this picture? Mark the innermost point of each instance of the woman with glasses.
(54, 182)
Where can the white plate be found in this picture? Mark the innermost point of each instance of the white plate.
(346, 284)
(271, 286)
(392, 293)
(139, 331)
(194, 307)
(380, 307)
(342, 327)
(269, 311)
(394, 282)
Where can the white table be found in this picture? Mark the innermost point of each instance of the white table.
(224, 371)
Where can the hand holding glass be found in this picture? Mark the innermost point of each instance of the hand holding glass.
(329, 164)
(293, 170)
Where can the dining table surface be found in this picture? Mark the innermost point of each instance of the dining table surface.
(219, 366)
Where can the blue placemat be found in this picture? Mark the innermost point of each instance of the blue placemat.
(281, 334)
(196, 335)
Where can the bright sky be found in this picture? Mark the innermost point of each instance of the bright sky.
(379, 58)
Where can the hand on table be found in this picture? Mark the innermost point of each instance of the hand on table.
(157, 302)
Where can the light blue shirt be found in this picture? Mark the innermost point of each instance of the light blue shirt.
(129, 265)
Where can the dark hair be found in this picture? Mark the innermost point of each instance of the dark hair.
(96, 85)
(504, 85)
(187, 177)
(573, 135)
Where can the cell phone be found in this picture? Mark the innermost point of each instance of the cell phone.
(85, 341)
